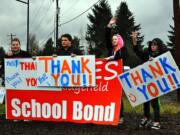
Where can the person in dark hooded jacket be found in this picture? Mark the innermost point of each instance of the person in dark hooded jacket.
(155, 48)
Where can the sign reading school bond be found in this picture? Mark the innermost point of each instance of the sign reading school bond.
(66, 71)
(99, 105)
(150, 80)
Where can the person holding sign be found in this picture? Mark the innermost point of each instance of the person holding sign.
(155, 48)
(15, 52)
(116, 51)
(66, 47)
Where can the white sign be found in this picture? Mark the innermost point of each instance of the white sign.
(66, 71)
(150, 80)
(21, 74)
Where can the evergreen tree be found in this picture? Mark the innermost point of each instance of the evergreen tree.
(124, 26)
(126, 23)
(171, 44)
(96, 29)
(34, 48)
(48, 48)
(171, 36)
(2, 55)
(75, 42)
(2, 52)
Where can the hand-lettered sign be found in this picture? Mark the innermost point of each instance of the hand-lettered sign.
(66, 71)
(150, 80)
(99, 105)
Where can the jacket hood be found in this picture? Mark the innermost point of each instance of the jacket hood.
(158, 42)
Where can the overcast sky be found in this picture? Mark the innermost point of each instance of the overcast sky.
(153, 15)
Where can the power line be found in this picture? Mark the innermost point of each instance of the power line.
(71, 7)
(38, 11)
(38, 25)
(47, 37)
(57, 21)
(69, 21)
(79, 14)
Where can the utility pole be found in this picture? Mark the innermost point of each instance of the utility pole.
(27, 3)
(11, 37)
(27, 25)
(57, 22)
(176, 7)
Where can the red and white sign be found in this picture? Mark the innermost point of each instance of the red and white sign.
(99, 105)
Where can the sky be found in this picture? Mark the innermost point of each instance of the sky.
(155, 16)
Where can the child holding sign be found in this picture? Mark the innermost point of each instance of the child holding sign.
(116, 51)
(155, 48)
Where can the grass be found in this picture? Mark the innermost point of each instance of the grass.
(2, 109)
(165, 108)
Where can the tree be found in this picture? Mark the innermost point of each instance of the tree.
(171, 43)
(124, 26)
(34, 48)
(2, 52)
(48, 48)
(96, 29)
(126, 23)
(75, 42)
(171, 36)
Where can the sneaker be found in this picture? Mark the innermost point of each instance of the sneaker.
(121, 120)
(26, 120)
(15, 120)
(155, 125)
(145, 122)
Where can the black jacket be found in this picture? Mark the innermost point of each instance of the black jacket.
(68, 52)
(120, 54)
(147, 53)
(21, 54)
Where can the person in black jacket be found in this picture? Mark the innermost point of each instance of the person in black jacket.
(15, 52)
(116, 51)
(155, 48)
(66, 47)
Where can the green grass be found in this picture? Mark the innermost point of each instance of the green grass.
(2, 109)
(165, 108)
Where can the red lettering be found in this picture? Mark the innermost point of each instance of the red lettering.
(45, 59)
(31, 81)
(28, 66)
(136, 77)
(153, 90)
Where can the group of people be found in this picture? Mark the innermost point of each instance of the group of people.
(16, 51)
(116, 50)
